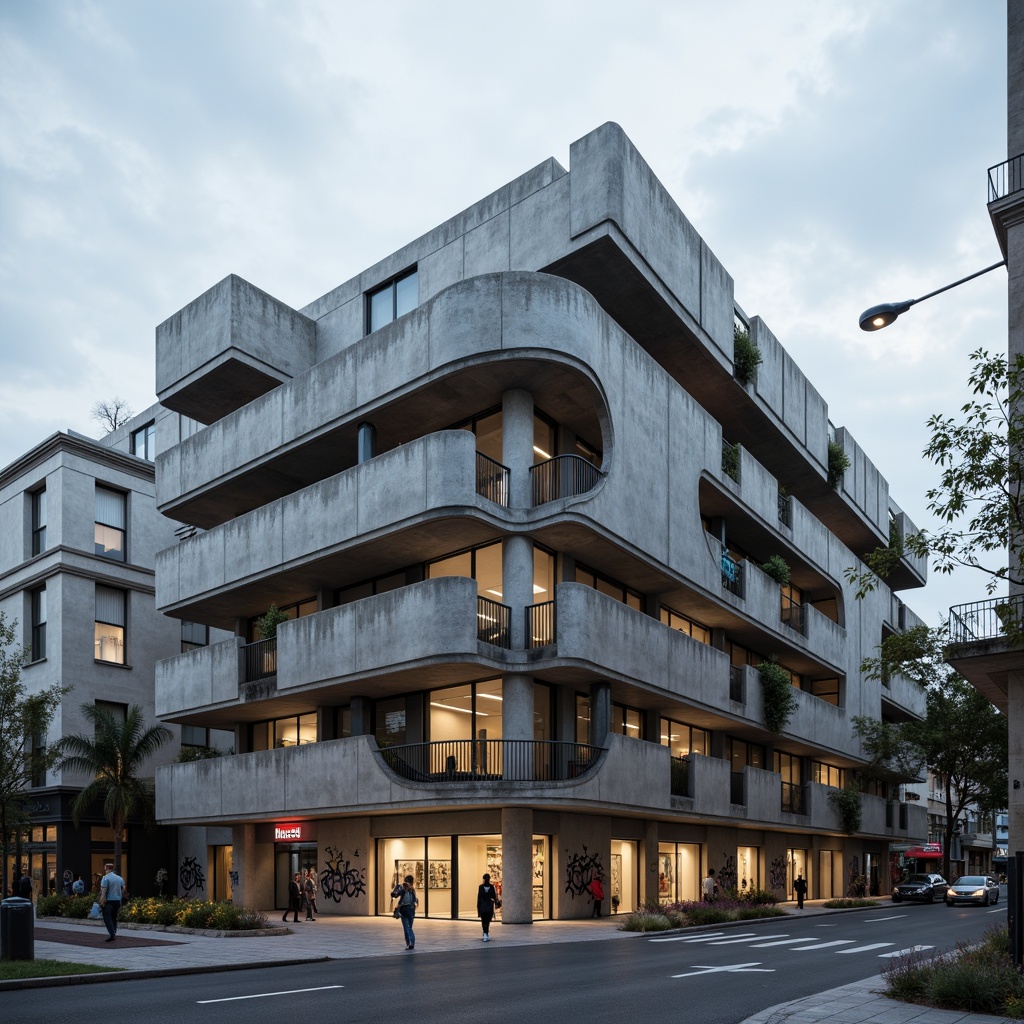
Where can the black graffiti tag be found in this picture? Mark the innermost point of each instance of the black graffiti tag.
(580, 869)
(191, 877)
(339, 878)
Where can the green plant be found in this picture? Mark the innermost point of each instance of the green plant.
(838, 463)
(846, 902)
(746, 356)
(758, 897)
(731, 460)
(779, 698)
(757, 913)
(266, 624)
(777, 568)
(847, 803)
(708, 915)
(645, 922)
(187, 754)
(907, 977)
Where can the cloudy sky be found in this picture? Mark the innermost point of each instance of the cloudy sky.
(833, 155)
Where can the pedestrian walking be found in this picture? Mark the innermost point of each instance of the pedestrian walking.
(309, 892)
(709, 887)
(487, 901)
(408, 901)
(294, 898)
(596, 889)
(800, 888)
(111, 894)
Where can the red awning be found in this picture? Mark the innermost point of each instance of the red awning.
(924, 854)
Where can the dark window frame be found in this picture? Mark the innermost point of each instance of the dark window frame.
(392, 286)
(147, 434)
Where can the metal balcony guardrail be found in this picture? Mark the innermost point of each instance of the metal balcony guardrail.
(564, 476)
(732, 574)
(260, 660)
(785, 509)
(491, 479)
(793, 615)
(736, 793)
(1006, 178)
(492, 622)
(680, 776)
(986, 620)
(540, 625)
(448, 761)
(736, 684)
(794, 798)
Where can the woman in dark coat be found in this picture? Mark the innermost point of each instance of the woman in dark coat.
(487, 902)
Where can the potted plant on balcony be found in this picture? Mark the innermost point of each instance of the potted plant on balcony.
(838, 463)
(266, 624)
(746, 356)
(777, 568)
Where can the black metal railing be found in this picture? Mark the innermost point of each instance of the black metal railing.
(736, 793)
(889, 816)
(1006, 178)
(904, 817)
(785, 509)
(732, 574)
(540, 625)
(491, 760)
(681, 776)
(737, 684)
(987, 620)
(564, 476)
(794, 798)
(492, 622)
(491, 479)
(793, 614)
(260, 660)
(731, 460)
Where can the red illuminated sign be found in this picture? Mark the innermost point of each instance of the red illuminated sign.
(287, 833)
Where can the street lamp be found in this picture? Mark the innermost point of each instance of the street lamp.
(877, 317)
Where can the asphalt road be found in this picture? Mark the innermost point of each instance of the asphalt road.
(715, 977)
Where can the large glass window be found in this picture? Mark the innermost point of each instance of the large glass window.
(825, 689)
(582, 718)
(627, 721)
(39, 521)
(110, 523)
(743, 754)
(679, 872)
(606, 585)
(675, 620)
(683, 739)
(293, 731)
(487, 428)
(392, 300)
(390, 722)
(193, 635)
(38, 609)
(828, 774)
(289, 611)
(482, 564)
(195, 736)
(467, 712)
(369, 588)
(143, 442)
(111, 621)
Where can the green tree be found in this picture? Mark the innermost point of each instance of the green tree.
(24, 722)
(113, 756)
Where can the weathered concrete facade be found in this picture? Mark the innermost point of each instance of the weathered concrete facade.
(518, 525)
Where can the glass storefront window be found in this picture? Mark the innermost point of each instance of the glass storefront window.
(679, 872)
(622, 880)
(748, 875)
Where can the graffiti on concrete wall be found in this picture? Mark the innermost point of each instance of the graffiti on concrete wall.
(191, 877)
(727, 874)
(777, 874)
(340, 878)
(580, 869)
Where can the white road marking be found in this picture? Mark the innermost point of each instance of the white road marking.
(265, 995)
(714, 938)
(1000, 910)
(895, 917)
(863, 949)
(753, 968)
(729, 942)
(688, 938)
(904, 952)
(824, 945)
(782, 942)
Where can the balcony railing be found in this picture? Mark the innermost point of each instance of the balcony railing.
(261, 660)
(540, 625)
(1006, 178)
(732, 574)
(564, 476)
(889, 815)
(904, 817)
(490, 760)
(793, 615)
(736, 684)
(785, 509)
(681, 776)
(794, 798)
(492, 622)
(986, 620)
(736, 793)
(491, 479)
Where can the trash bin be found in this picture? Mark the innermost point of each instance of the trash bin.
(17, 929)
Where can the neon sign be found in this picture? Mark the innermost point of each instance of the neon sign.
(287, 833)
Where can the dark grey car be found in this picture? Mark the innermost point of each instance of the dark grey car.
(924, 887)
(973, 889)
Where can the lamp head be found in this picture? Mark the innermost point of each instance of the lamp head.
(877, 317)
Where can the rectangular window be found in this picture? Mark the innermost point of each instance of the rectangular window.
(118, 712)
(606, 585)
(683, 739)
(289, 611)
(38, 640)
(828, 775)
(789, 766)
(193, 635)
(293, 731)
(743, 754)
(110, 524)
(627, 721)
(194, 736)
(38, 772)
(39, 521)
(392, 300)
(582, 718)
(111, 616)
(825, 689)
(686, 625)
(143, 442)
(187, 427)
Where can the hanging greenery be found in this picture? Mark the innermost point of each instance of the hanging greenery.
(777, 568)
(746, 356)
(779, 698)
(838, 463)
(848, 803)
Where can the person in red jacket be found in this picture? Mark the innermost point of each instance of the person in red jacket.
(596, 890)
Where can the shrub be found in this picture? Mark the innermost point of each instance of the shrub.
(777, 568)
(708, 913)
(746, 356)
(646, 922)
(847, 803)
(838, 463)
(977, 982)
(169, 913)
(847, 902)
(907, 977)
(779, 698)
(198, 914)
(758, 897)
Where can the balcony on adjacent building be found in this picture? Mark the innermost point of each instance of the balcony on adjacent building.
(987, 642)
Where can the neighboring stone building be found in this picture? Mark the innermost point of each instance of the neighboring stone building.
(79, 534)
(515, 499)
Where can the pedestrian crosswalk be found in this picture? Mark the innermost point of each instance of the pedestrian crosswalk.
(794, 944)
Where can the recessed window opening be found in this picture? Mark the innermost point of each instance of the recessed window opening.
(392, 300)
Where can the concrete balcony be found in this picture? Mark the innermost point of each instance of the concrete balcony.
(350, 776)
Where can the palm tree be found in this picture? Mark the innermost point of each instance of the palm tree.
(113, 757)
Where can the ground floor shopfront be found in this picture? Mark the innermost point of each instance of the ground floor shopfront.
(541, 860)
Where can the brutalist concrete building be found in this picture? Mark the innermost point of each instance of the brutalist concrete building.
(514, 493)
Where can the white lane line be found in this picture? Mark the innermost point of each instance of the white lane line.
(688, 938)
(875, 920)
(265, 995)
(863, 949)
(729, 942)
(1000, 910)
(782, 942)
(714, 938)
(754, 968)
(904, 952)
(824, 945)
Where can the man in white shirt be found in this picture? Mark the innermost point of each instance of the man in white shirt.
(111, 893)
(709, 886)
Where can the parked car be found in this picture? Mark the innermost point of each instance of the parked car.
(973, 889)
(926, 888)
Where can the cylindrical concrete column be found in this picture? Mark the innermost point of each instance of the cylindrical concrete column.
(517, 865)
(517, 724)
(366, 442)
(517, 444)
(600, 712)
(517, 585)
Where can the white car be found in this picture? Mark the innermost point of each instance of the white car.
(973, 889)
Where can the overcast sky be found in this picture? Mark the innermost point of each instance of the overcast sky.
(832, 155)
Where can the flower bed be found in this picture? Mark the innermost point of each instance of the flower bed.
(687, 914)
(218, 915)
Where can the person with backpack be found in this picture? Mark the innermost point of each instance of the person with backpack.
(487, 901)
(405, 909)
